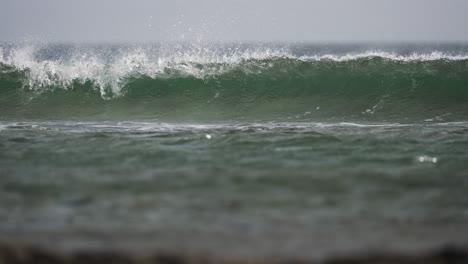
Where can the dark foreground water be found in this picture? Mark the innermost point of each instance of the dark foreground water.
(236, 149)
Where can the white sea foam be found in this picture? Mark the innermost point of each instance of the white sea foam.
(432, 56)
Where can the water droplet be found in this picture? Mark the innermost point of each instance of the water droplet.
(425, 158)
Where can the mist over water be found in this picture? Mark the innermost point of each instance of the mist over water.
(116, 21)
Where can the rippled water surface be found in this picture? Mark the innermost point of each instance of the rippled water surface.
(252, 149)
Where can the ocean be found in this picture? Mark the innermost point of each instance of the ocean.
(252, 149)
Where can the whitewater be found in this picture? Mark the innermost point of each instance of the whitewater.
(110, 67)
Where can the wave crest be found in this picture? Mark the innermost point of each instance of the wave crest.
(109, 69)
(110, 73)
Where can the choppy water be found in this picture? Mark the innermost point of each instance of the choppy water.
(235, 139)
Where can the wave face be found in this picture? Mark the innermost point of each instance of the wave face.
(234, 82)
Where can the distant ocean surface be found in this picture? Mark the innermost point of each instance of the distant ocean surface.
(268, 148)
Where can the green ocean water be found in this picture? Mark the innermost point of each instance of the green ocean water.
(234, 143)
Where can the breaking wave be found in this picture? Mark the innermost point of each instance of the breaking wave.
(231, 81)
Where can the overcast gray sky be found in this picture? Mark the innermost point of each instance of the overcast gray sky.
(230, 20)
